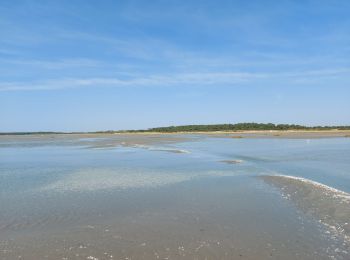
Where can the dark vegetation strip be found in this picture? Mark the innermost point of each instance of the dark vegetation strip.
(201, 128)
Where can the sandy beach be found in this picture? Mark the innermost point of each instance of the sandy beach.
(180, 136)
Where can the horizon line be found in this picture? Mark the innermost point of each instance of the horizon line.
(154, 129)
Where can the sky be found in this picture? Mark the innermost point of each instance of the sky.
(84, 65)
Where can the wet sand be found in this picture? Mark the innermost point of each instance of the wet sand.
(91, 140)
(232, 161)
(205, 219)
(169, 197)
(155, 138)
(330, 206)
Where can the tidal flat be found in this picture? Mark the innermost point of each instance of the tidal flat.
(174, 196)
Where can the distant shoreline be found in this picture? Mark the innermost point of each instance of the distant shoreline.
(256, 133)
(223, 134)
(208, 129)
(236, 129)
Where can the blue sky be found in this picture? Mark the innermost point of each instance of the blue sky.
(98, 65)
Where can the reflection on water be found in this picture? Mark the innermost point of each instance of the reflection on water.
(142, 199)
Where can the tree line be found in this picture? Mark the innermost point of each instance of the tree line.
(240, 127)
(203, 128)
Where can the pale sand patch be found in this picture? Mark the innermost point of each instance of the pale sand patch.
(232, 161)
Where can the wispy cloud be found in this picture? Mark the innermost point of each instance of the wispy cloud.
(142, 52)
(53, 64)
(186, 79)
(175, 80)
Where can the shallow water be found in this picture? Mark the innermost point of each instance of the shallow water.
(157, 197)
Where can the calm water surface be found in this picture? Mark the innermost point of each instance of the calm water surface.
(66, 199)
